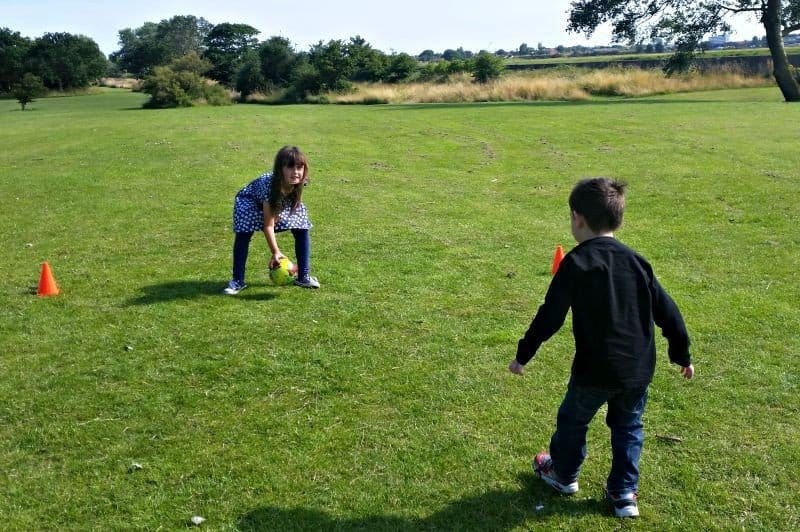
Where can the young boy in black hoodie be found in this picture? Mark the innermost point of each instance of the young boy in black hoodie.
(615, 301)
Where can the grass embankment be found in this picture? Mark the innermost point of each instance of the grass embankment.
(140, 396)
(711, 54)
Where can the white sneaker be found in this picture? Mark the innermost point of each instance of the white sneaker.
(234, 287)
(308, 282)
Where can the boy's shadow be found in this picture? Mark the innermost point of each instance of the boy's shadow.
(175, 290)
(493, 510)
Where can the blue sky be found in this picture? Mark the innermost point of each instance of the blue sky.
(409, 26)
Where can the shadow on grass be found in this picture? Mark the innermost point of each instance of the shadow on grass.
(182, 290)
(493, 510)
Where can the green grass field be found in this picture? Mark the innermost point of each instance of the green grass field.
(141, 397)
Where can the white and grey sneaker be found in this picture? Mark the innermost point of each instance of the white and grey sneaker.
(308, 282)
(543, 466)
(624, 504)
(234, 287)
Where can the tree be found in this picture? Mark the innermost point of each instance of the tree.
(226, 44)
(29, 87)
(66, 61)
(400, 68)
(460, 53)
(154, 44)
(278, 61)
(139, 50)
(305, 82)
(427, 56)
(13, 49)
(370, 64)
(688, 22)
(486, 67)
(182, 34)
(249, 78)
(333, 65)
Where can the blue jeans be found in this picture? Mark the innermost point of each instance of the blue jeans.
(302, 248)
(624, 418)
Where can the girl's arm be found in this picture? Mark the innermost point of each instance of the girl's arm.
(269, 232)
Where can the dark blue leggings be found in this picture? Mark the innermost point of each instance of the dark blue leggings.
(302, 249)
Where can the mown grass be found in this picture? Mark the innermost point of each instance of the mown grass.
(140, 397)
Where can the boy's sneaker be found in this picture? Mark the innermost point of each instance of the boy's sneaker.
(234, 287)
(624, 504)
(308, 282)
(543, 466)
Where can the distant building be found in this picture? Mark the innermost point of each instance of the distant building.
(718, 41)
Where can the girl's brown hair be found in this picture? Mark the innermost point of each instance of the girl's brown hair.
(290, 156)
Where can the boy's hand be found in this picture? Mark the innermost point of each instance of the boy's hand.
(516, 368)
(687, 371)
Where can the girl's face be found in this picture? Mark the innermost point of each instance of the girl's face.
(294, 175)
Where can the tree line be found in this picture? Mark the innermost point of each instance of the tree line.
(57, 61)
(232, 55)
(174, 57)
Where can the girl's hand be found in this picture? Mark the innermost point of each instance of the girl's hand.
(276, 258)
(687, 371)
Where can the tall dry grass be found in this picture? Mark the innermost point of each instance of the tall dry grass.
(121, 83)
(567, 84)
(637, 82)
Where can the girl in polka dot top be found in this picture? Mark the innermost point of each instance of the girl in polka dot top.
(273, 203)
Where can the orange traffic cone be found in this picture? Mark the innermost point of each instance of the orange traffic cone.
(47, 284)
(557, 258)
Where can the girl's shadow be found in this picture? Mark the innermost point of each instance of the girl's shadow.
(182, 290)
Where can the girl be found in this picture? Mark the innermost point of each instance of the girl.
(272, 203)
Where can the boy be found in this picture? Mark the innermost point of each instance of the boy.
(615, 300)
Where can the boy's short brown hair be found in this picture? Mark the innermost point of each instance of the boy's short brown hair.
(601, 201)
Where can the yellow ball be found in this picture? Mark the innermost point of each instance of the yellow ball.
(285, 273)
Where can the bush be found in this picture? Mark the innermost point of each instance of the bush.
(216, 94)
(400, 68)
(169, 88)
(305, 83)
(441, 71)
(191, 62)
(486, 67)
(680, 62)
(29, 87)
